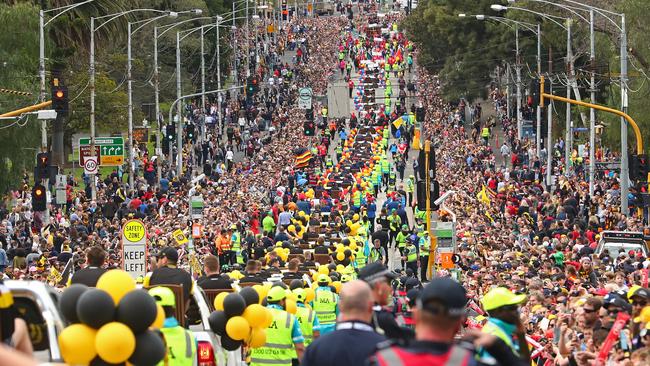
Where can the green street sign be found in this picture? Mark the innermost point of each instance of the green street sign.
(110, 150)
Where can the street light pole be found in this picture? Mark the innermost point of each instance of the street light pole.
(179, 113)
(567, 137)
(93, 189)
(156, 87)
(592, 112)
(41, 72)
(129, 84)
(518, 71)
(625, 174)
(538, 130)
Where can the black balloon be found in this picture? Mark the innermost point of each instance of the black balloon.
(98, 361)
(347, 253)
(295, 284)
(68, 302)
(250, 295)
(217, 321)
(229, 344)
(234, 305)
(346, 262)
(95, 308)
(149, 349)
(137, 310)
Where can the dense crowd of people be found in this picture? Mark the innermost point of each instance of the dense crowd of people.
(330, 208)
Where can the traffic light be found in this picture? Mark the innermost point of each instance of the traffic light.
(309, 114)
(59, 98)
(42, 161)
(252, 85)
(534, 92)
(310, 128)
(639, 167)
(419, 114)
(170, 132)
(190, 132)
(39, 198)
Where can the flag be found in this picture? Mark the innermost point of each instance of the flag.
(302, 160)
(67, 272)
(483, 196)
(398, 122)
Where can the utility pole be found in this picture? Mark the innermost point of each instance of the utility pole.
(538, 130)
(156, 87)
(625, 174)
(518, 86)
(592, 112)
(567, 137)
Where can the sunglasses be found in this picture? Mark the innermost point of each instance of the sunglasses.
(639, 303)
(588, 311)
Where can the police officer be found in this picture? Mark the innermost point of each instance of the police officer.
(504, 322)
(439, 315)
(354, 338)
(425, 248)
(181, 344)
(283, 337)
(410, 255)
(168, 273)
(325, 304)
(235, 242)
(379, 278)
(307, 318)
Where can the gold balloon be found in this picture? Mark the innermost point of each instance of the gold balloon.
(115, 342)
(218, 300)
(160, 318)
(291, 306)
(117, 283)
(337, 286)
(323, 270)
(77, 344)
(268, 318)
(340, 267)
(261, 291)
(238, 328)
(353, 245)
(340, 256)
(309, 294)
(257, 338)
(255, 315)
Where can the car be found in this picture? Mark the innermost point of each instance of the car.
(616, 242)
(37, 303)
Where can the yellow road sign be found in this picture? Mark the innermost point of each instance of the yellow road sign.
(134, 231)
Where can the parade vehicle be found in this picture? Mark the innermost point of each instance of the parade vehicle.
(324, 8)
(38, 304)
(616, 242)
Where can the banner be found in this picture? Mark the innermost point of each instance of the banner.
(612, 337)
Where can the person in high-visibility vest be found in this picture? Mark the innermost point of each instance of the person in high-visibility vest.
(425, 247)
(235, 242)
(307, 318)
(505, 323)
(410, 256)
(485, 134)
(410, 188)
(323, 113)
(360, 257)
(356, 200)
(284, 338)
(325, 305)
(385, 170)
(400, 240)
(180, 342)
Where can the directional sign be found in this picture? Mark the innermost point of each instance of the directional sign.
(304, 98)
(444, 232)
(109, 149)
(134, 248)
(197, 207)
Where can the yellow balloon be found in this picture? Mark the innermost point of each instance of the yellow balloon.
(238, 328)
(645, 314)
(77, 344)
(291, 306)
(309, 294)
(353, 245)
(340, 248)
(257, 338)
(340, 256)
(261, 291)
(337, 286)
(314, 286)
(255, 315)
(268, 318)
(291, 228)
(218, 301)
(115, 342)
(235, 275)
(160, 317)
(323, 270)
(340, 267)
(117, 283)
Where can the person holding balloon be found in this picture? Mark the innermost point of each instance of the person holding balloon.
(306, 317)
(181, 344)
(284, 339)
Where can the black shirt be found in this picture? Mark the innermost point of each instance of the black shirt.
(334, 348)
(381, 235)
(172, 276)
(291, 276)
(251, 278)
(87, 276)
(214, 282)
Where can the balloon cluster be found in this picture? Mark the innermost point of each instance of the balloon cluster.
(240, 318)
(111, 324)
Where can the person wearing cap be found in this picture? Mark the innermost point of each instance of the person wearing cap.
(379, 278)
(167, 273)
(307, 318)
(95, 257)
(284, 339)
(439, 315)
(268, 223)
(505, 323)
(401, 240)
(354, 339)
(325, 304)
(180, 342)
(410, 256)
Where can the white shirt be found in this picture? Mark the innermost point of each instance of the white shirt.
(229, 155)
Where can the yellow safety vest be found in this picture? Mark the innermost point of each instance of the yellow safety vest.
(306, 319)
(360, 258)
(236, 241)
(181, 348)
(495, 330)
(356, 199)
(412, 255)
(485, 132)
(325, 306)
(278, 349)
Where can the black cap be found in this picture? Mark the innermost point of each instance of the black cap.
(613, 299)
(641, 292)
(374, 272)
(170, 253)
(444, 291)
